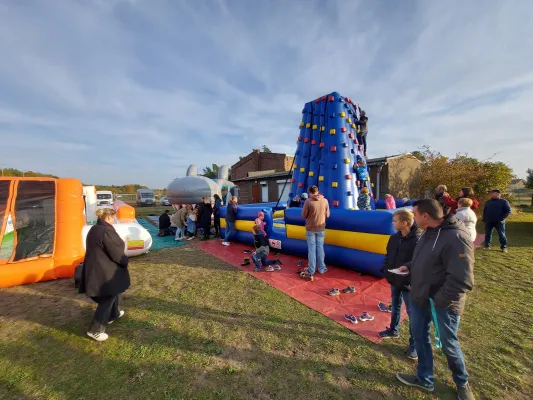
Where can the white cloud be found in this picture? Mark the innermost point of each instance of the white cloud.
(132, 90)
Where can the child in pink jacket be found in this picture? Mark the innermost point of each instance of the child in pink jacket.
(390, 203)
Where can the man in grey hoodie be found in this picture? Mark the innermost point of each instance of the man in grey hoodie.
(441, 272)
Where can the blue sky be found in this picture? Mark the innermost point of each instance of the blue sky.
(133, 91)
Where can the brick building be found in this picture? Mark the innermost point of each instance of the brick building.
(261, 176)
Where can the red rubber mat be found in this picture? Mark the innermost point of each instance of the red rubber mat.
(369, 290)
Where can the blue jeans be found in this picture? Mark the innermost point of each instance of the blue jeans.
(230, 230)
(448, 326)
(500, 228)
(315, 251)
(179, 234)
(397, 295)
(263, 258)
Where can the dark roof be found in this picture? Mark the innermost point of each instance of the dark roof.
(281, 174)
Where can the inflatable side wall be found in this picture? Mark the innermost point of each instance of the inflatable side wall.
(41, 220)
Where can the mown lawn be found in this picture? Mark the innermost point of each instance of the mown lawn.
(196, 328)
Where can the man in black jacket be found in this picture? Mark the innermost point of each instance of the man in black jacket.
(496, 211)
(442, 272)
(231, 217)
(400, 249)
(164, 224)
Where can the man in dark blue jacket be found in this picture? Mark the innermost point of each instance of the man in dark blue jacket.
(231, 217)
(495, 213)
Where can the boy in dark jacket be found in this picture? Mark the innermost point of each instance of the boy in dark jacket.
(496, 211)
(261, 252)
(231, 217)
(400, 249)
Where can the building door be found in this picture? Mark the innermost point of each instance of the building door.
(256, 193)
(264, 192)
(285, 195)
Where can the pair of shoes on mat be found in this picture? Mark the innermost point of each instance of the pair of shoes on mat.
(385, 307)
(363, 317)
(306, 276)
(336, 292)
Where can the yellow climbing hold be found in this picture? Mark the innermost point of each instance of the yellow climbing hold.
(302, 169)
(321, 179)
(353, 126)
(311, 173)
(301, 124)
(315, 127)
(346, 161)
(343, 114)
(332, 131)
(322, 128)
(308, 125)
(349, 120)
(334, 184)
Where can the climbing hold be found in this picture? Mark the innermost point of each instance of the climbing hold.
(352, 208)
(348, 176)
(331, 98)
(349, 120)
(343, 129)
(315, 127)
(335, 203)
(358, 130)
(352, 151)
(306, 140)
(308, 125)
(355, 142)
(333, 148)
(302, 169)
(350, 135)
(323, 98)
(345, 145)
(372, 185)
(311, 173)
(349, 192)
(353, 126)
(300, 184)
(360, 147)
(295, 166)
(322, 145)
(334, 184)
(292, 180)
(321, 179)
(334, 166)
(299, 138)
(332, 131)
(313, 141)
(322, 128)
(317, 101)
(343, 114)
(332, 115)
(346, 161)
(348, 100)
(301, 124)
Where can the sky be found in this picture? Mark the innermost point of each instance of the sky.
(134, 91)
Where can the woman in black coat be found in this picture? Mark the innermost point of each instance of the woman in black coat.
(105, 272)
(204, 217)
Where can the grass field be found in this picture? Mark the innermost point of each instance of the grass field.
(196, 328)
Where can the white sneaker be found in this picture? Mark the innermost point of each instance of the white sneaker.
(225, 243)
(120, 314)
(98, 336)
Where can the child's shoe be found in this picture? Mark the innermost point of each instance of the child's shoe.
(384, 307)
(270, 268)
(350, 318)
(349, 289)
(366, 317)
(334, 292)
(257, 269)
(277, 267)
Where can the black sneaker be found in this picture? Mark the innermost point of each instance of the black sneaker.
(465, 393)
(388, 334)
(412, 380)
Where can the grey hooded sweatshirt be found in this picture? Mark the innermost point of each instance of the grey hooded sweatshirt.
(442, 267)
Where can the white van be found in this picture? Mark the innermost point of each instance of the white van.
(145, 197)
(104, 198)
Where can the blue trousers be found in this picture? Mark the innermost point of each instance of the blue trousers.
(500, 228)
(315, 251)
(263, 259)
(397, 295)
(230, 230)
(448, 326)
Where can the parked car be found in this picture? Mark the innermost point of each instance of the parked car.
(145, 197)
(164, 201)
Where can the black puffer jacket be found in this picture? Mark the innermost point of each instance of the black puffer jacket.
(105, 269)
(400, 250)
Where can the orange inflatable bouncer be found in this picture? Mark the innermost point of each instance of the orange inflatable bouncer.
(41, 222)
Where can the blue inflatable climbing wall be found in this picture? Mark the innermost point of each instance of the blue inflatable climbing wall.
(327, 151)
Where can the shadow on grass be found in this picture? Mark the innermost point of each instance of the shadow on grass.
(189, 368)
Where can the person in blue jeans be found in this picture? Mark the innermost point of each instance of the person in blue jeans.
(231, 217)
(400, 249)
(315, 212)
(262, 249)
(496, 211)
(442, 272)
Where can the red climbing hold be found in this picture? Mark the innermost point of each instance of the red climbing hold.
(292, 180)
(355, 141)
(343, 129)
(335, 203)
(333, 148)
(313, 142)
(322, 145)
(331, 98)
(300, 184)
(348, 176)
(306, 140)
(299, 138)
(323, 98)
(350, 135)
